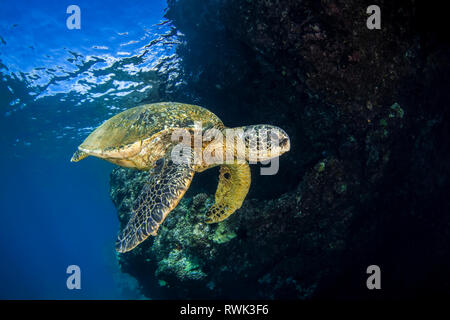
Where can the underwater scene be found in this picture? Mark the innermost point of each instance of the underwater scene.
(224, 149)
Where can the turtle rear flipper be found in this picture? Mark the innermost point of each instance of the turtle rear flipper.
(78, 156)
(158, 198)
(234, 183)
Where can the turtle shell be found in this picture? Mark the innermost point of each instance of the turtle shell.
(143, 122)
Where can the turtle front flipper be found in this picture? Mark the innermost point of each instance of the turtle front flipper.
(234, 183)
(158, 197)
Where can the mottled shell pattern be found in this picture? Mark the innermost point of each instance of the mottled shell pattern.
(143, 131)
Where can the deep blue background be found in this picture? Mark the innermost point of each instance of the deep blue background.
(54, 213)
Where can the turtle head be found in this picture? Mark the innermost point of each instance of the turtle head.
(265, 141)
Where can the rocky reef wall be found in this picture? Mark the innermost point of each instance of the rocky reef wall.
(365, 181)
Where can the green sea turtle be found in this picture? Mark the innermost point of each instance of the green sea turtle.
(176, 140)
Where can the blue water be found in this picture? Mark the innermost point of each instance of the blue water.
(56, 85)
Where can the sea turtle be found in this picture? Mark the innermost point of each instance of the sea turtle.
(175, 140)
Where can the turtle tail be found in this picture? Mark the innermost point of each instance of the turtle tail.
(78, 155)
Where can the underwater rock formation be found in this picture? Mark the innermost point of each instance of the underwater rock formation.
(365, 178)
(267, 249)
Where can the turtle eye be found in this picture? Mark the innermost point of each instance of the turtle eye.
(159, 162)
(227, 176)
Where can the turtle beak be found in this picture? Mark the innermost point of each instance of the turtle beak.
(285, 145)
(284, 141)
